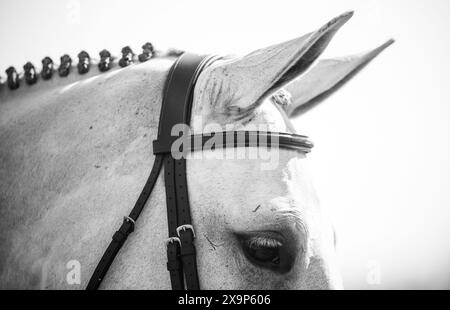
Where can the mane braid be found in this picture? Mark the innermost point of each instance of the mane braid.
(84, 64)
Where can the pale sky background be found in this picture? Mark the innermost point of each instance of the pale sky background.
(381, 164)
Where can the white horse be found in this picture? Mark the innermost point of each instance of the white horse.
(76, 151)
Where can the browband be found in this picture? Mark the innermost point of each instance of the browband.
(242, 138)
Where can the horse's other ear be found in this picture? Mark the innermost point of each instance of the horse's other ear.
(248, 80)
(324, 78)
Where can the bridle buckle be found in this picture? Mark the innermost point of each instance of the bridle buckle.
(172, 240)
(127, 219)
(184, 228)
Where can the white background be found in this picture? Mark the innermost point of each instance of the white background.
(381, 163)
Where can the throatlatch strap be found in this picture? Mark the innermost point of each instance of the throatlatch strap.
(127, 228)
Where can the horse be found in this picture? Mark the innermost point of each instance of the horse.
(76, 150)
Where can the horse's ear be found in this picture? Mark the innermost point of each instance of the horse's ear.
(248, 80)
(324, 78)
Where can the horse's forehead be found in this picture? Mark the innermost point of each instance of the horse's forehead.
(244, 182)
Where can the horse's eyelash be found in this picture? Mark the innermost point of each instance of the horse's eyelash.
(258, 242)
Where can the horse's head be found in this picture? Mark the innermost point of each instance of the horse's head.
(75, 151)
(258, 221)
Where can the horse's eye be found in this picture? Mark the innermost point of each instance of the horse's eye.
(266, 251)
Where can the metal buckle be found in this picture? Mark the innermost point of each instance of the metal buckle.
(172, 240)
(184, 227)
(129, 219)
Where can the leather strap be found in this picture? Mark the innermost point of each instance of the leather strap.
(126, 229)
(173, 244)
(176, 109)
(226, 139)
(177, 102)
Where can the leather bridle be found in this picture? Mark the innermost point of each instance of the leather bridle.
(176, 109)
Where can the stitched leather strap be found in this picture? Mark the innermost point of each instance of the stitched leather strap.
(226, 139)
(176, 109)
(173, 245)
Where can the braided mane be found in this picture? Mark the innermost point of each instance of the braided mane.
(30, 76)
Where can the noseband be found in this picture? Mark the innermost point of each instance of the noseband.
(176, 109)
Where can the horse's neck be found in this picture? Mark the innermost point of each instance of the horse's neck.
(57, 140)
(78, 151)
